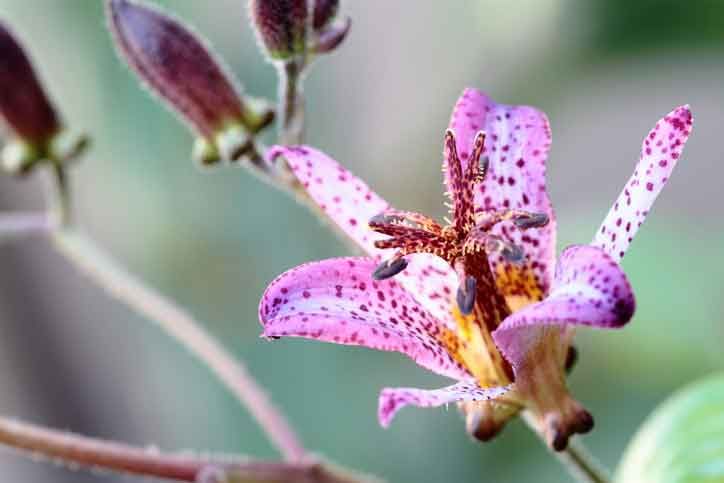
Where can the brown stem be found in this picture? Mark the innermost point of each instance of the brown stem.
(73, 450)
(182, 327)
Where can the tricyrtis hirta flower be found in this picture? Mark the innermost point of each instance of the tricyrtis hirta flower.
(481, 299)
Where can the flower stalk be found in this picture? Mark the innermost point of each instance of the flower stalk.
(577, 460)
(172, 319)
(182, 327)
(18, 225)
(291, 102)
(97, 454)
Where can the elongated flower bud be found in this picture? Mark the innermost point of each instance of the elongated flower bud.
(176, 64)
(281, 26)
(24, 106)
(36, 131)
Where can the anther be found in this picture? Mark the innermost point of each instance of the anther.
(389, 269)
(571, 358)
(532, 220)
(511, 252)
(384, 219)
(482, 168)
(466, 295)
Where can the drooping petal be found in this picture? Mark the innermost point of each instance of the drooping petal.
(337, 301)
(516, 144)
(590, 288)
(350, 203)
(394, 399)
(659, 154)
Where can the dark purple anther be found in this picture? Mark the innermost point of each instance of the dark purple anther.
(466, 295)
(532, 220)
(389, 269)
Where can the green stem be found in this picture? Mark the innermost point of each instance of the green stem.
(291, 102)
(579, 462)
(60, 200)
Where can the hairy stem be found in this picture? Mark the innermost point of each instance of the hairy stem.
(76, 450)
(291, 102)
(182, 327)
(60, 198)
(575, 458)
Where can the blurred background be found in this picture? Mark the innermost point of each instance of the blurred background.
(604, 70)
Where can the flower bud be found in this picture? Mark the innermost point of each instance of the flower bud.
(35, 127)
(24, 107)
(176, 65)
(324, 12)
(281, 26)
(329, 38)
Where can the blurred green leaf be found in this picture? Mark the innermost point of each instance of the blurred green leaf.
(682, 440)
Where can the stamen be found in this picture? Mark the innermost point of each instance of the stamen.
(482, 169)
(466, 295)
(384, 219)
(389, 269)
(531, 220)
(478, 164)
(571, 358)
(511, 252)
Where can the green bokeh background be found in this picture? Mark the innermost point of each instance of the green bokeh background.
(603, 70)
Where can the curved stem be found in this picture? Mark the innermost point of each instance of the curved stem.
(76, 450)
(575, 458)
(18, 225)
(182, 327)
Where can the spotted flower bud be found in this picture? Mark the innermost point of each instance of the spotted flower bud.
(35, 127)
(176, 64)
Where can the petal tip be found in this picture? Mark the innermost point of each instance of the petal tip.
(387, 407)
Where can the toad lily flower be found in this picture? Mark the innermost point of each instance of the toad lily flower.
(482, 299)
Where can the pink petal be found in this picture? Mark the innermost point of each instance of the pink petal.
(350, 203)
(394, 399)
(345, 198)
(659, 154)
(517, 143)
(337, 301)
(590, 288)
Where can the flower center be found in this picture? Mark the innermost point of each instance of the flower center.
(465, 243)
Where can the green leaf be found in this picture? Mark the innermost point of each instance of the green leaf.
(682, 441)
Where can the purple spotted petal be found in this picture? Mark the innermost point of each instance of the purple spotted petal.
(589, 288)
(337, 301)
(394, 399)
(345, 198)
(350, 203)
(659, 154)
(517, 143)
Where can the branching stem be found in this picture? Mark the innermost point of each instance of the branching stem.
(76, 450)
(182, 327)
